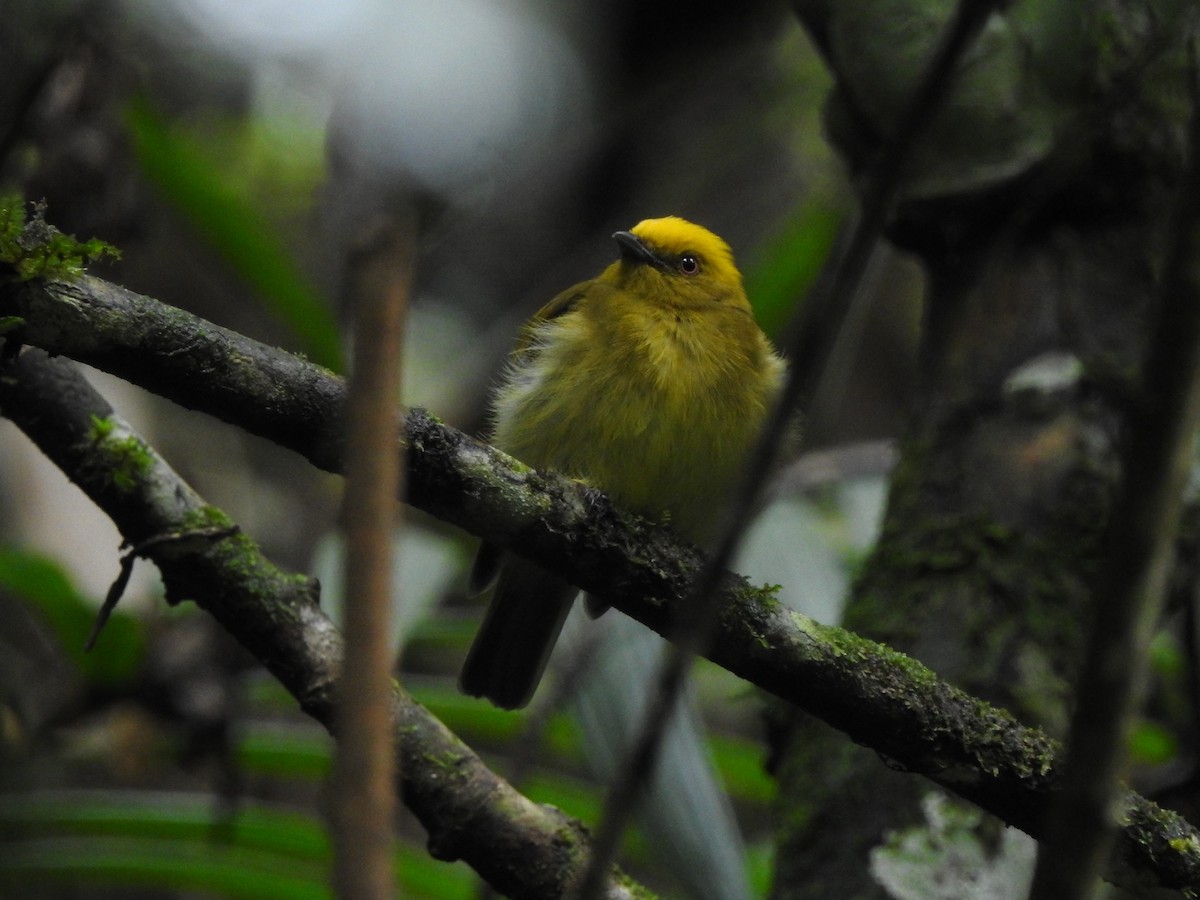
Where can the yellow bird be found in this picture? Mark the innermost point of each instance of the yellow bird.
(650, 382)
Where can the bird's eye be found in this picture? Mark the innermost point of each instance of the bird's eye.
(689, 264)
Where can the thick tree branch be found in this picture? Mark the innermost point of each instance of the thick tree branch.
(877, 696)
(1160, 445)
(521, 848)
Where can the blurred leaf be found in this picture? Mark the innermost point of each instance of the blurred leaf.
(264, 692)
(1152, 745)
(574, 796)
(1165, 656)
(686, 816)
(177, 842)
(155, 863)
(467, 716)
(786, 267)
(478, 721)
(304, 752)
(229, 218)
(583, 800)
(444, 632)
(741, 764)
(45, 586)
(761, 865)
(159, 815)
(300, 752)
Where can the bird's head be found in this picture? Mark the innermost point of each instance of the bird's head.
(680, 262)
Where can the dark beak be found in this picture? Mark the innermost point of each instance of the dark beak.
(634, 250)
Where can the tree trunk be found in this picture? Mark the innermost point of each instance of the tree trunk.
(1037, 204)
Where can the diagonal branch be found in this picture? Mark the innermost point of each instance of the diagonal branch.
(472, 814)
(877, 696)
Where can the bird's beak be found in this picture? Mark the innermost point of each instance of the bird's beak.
(633, 249)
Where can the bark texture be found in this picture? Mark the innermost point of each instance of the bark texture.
(1038, 205)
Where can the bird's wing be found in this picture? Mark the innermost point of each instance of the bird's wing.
(562, 304)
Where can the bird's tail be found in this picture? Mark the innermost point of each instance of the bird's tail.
(510, 652)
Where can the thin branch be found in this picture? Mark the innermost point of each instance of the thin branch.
(879, 697)
(1158, 458)
(363, 801)
(520, 847)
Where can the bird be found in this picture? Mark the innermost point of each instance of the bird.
(650, 382)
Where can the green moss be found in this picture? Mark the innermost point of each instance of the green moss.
(101, 428)
(207, 517)
(449, 762)
(767, 594)
(1015, 599)
(241, 555)
(633, 888)
(1184, 844)
(997, 741)
(753, 614)
(764, 598)
(436, 420)
(128, 459)
(853, 648)
(36, 249)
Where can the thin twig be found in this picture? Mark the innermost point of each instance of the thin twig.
(364, 772)
(810, 359)
(117, 589)
(1158, 457)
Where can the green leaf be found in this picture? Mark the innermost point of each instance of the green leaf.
(229, 219)
(45, 585)
(786, 267)
(741, 764)
(306, 752)
(303, 753)
(162, 864)
(179, 842)
(1165, 656)
(1152, 745)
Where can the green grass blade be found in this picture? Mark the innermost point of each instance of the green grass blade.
(180, 842)
(231, 222)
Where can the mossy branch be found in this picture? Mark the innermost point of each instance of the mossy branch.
(878, 697)
(36, 249)
(521, 848)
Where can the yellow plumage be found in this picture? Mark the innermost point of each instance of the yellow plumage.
(650, 382)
